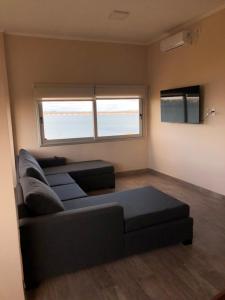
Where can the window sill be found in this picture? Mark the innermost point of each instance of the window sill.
(91, 141)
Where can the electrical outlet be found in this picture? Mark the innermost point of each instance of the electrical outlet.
(213, 112)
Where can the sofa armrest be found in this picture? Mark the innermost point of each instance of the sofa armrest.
(70, 240)
(51, 161)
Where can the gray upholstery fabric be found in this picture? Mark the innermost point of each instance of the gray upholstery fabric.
(70, 240)
(95, 182)
(59, 179)
(69, 191)
(28, 156)
(51, 161)
(95, 229)
(39, 197)
(22, 209)
(162, 235)
(28, 169)
(28, 166)
(82, 168)
(143, 207)
(90, 175)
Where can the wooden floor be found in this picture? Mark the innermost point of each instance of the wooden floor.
(172, 273)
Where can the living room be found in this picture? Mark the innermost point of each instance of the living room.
(118, 58)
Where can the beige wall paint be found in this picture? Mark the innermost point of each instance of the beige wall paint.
(11, 286)
(194, 153)
(39, 60)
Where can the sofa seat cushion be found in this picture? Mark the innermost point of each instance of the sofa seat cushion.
(39, 197)
(59, 179)
(83, 168)
(143, 207)
(69, 191)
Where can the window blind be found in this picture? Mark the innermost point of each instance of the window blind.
(63, 91)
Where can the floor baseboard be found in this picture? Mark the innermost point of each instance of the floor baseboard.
(189, 185)
(132, 172)
(177, 180)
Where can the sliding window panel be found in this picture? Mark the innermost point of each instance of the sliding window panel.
(67, 120)
(119, 117)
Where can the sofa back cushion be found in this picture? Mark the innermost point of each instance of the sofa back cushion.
(28, 156)
(29, 167)
(39, 197)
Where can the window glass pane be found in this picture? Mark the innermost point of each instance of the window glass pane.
(67, 119)
(118, 117)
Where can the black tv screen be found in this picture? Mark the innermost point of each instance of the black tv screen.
(181, 105)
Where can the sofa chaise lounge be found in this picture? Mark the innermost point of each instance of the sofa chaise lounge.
(62, 229)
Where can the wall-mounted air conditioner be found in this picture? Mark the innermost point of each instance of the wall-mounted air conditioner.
(174, 41)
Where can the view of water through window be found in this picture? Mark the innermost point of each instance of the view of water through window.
(75, 119)
(117, 117)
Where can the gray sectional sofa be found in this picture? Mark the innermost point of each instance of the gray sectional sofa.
(62, 229)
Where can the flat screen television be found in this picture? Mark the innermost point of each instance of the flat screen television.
(181, 105)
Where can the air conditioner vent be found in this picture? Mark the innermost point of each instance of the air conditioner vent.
(174, 41)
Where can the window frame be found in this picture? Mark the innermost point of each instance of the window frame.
(87, 140)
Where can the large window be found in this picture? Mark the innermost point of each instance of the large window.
(80, 120)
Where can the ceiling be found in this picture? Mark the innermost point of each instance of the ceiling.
(89, 19)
